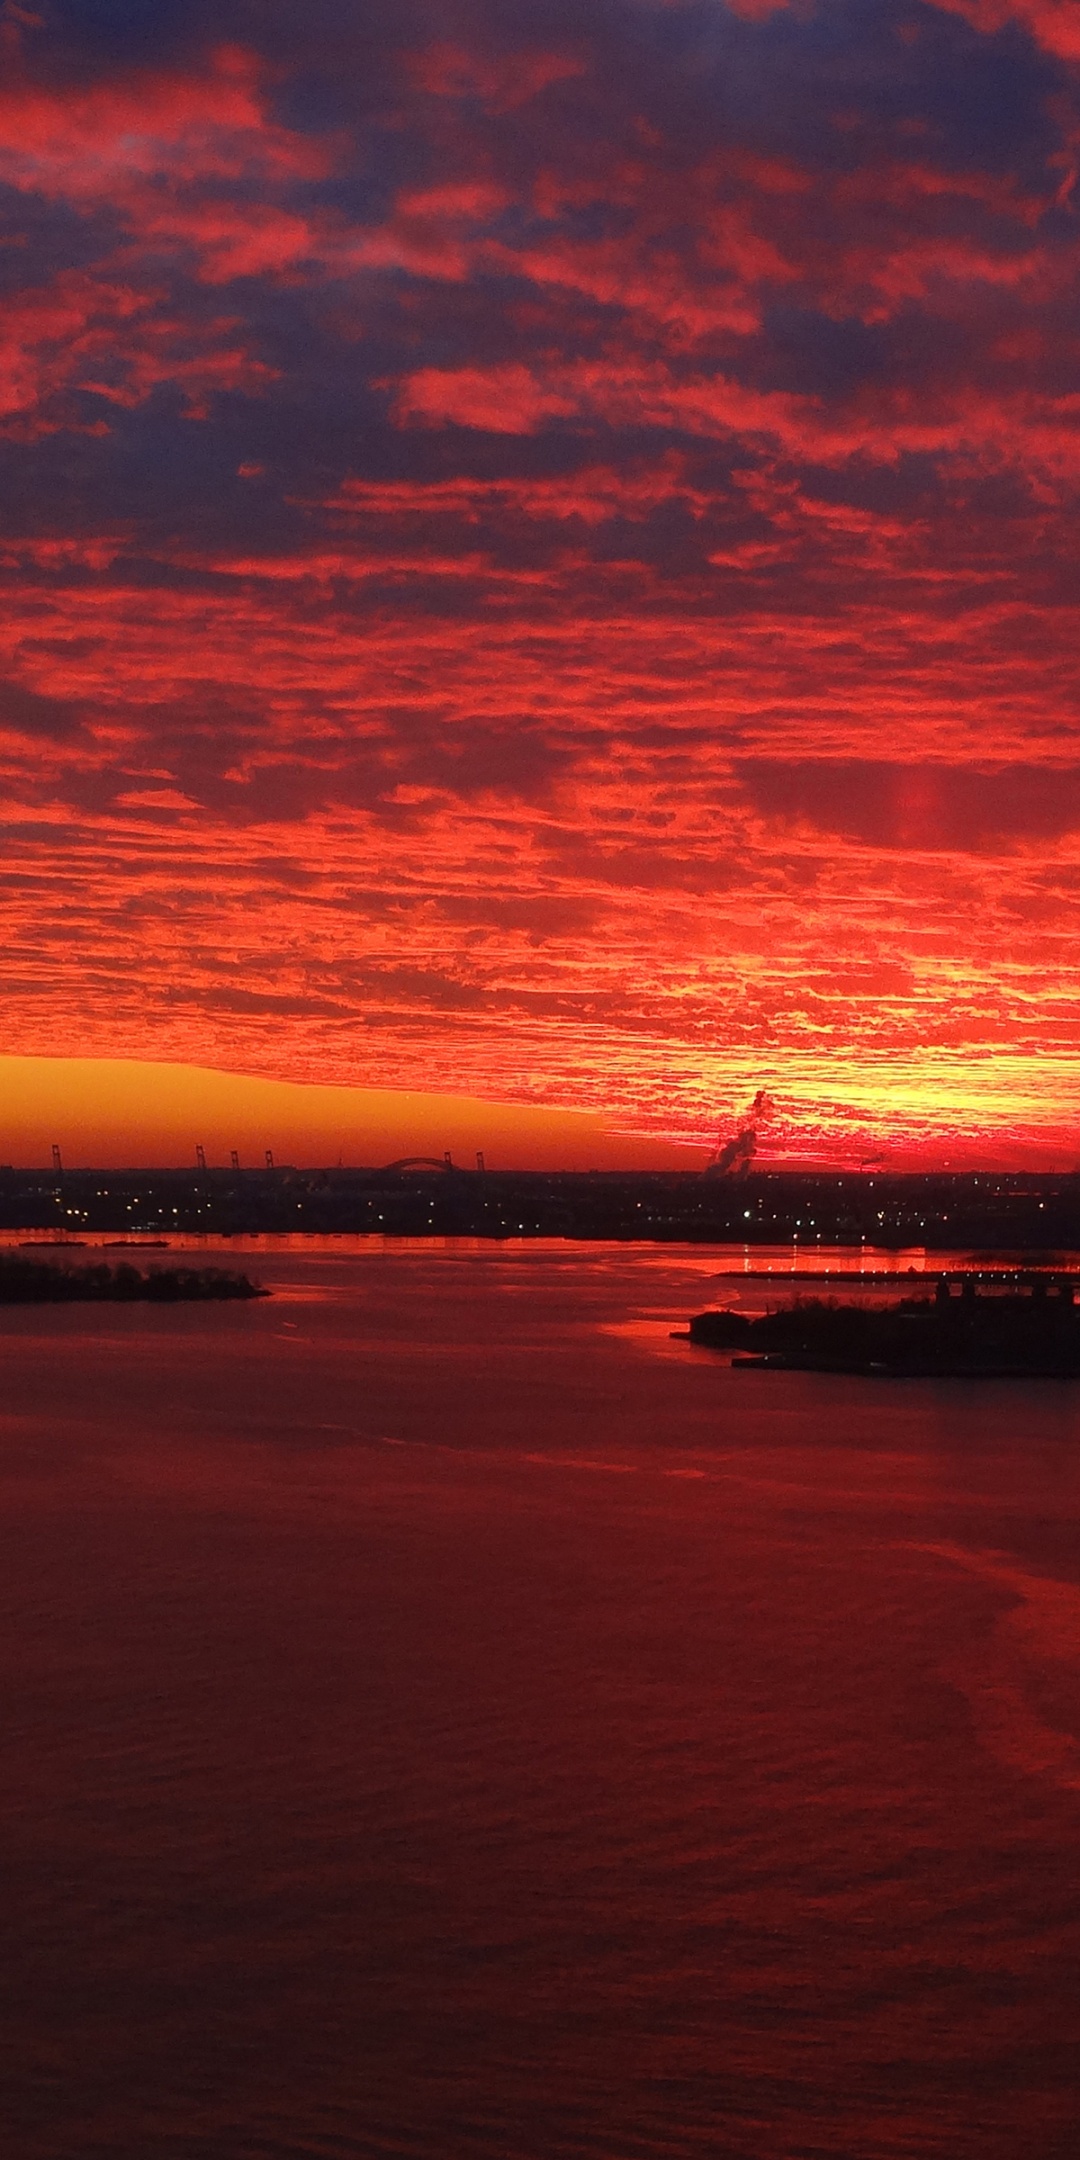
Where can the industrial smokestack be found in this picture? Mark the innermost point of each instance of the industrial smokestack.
(732, 1158)
(735, 1156)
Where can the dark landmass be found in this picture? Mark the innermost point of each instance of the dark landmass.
(972, 1328)
(1012, 1214)
(48, 1282)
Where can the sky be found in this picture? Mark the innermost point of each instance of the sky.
(539, 556)
(109, 1112)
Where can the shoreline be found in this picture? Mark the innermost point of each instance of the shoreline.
(975, 1327)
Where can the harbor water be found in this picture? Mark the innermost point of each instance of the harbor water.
(446, 1715)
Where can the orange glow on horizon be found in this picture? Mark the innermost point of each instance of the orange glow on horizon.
(116, 1113)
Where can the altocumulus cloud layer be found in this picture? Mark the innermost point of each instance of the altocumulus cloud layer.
(539, 548)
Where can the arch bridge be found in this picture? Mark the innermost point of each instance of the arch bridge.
(423, 1162)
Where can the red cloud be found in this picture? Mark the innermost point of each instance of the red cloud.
(109, 338)
(506, 400)
(1039, 432)
(756, 10)
(635, 623)
(502, 82)
(208, 124)
(1055, 24)
(592, 495)
(160, 152)
(175, 157)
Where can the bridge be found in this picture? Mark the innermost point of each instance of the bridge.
(422, 1162)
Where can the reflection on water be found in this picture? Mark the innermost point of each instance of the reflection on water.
(444, 1715)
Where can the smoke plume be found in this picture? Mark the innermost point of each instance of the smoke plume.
(732, 1158)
